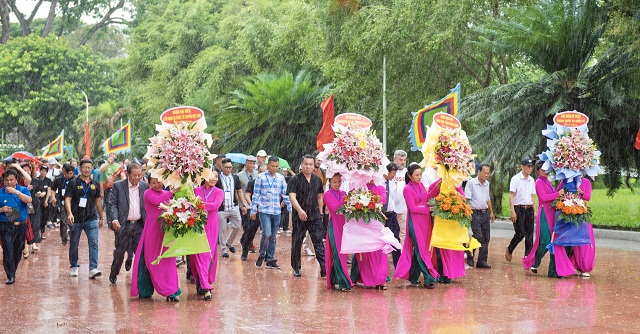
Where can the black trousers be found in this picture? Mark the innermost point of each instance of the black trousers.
(480, 227)
(128, 233)
(36, 218)
(250, 230)
(394, 226)
(284, 219)
(64, 235)
(300, 229)
(13, 238)
(523, 229)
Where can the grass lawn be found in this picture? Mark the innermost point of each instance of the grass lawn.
(622, 211)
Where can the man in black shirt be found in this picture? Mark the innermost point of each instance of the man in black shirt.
(58, 189)
(83, 203)
(39, 192)
(305, 192)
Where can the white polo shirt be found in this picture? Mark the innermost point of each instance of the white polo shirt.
(523, 188)
(399, 203)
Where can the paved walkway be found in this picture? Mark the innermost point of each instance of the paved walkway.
(247, 299)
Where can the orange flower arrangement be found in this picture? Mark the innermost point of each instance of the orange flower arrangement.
(452, 207)
(572, 208)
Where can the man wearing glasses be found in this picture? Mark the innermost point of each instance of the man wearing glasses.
(230, 209)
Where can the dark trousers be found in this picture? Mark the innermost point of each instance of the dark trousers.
(524, 230)
(284, 219)
(64, 234)
(300, 229)
(392, 224)
(13, 238)
(250, 230)
(36, 218)
(129, 233)
(480, 226)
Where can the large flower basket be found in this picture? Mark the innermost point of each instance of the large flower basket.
(568, 233)
(449, 234)
(191, 242)
(361, 237)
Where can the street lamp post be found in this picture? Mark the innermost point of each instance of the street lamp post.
(87, 147)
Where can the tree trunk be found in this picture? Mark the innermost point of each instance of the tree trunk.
(24, 23)
(106, 20)
(50, 17)
(4, 20)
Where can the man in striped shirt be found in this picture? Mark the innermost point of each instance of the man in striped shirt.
(270, 188)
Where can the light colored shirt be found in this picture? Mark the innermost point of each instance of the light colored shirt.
(392, 190)
(429, 176)
(267, 193)
(523, 189)
(229, 186)
(397, 195)
(477, 194)
(134, 202)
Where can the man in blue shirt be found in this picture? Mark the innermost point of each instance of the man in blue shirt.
(269, 190)
(13, 222)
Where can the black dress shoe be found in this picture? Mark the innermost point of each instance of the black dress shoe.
(127, 264)
(469, 261)
(323, 272)
(483, 266)
(11, 280)
(297, 273)
(225, 255)
(113, 279)
(232, 249)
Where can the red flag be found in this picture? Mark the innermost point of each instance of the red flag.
(87, 147)
(637, 145)
(326, 134)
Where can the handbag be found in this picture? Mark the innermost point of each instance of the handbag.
(13, 215)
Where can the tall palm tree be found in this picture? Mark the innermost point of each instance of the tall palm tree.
(576, 70)
(278, 113)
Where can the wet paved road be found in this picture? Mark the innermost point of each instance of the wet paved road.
(247, 299)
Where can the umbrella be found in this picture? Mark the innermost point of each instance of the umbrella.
(284, 164)
(24, 155)
(239, 158)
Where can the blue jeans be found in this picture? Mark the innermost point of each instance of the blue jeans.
(269, 225)
(90, 228)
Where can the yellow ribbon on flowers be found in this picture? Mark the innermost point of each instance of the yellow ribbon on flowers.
(448, 234)
(450, 178)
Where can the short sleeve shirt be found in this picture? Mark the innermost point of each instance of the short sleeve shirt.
(14, 201)
(78, 189)
(477, 194)
(306, 194)
(60, 185)
(523, 189)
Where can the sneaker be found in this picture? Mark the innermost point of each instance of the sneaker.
(74, 272)
(279, 231)
(586, 275)
(469, 261)
(93, 273)
(534, 270)
(288, 233)
(231, 249)
(35, 248)
(252, 249)
(272, 265)
(43, 237)
(507, 255)
(308, 252)
(259, 261)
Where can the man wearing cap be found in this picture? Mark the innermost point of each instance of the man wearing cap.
(261, 158)
(248, 174)
(521, 191)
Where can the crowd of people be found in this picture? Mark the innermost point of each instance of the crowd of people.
(80, 196)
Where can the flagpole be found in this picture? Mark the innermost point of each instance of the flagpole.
(87, 148)
(384, 103)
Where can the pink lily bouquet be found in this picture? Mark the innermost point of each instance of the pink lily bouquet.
(454, 152)
(357, 155)
(574, 151)
(179, 154)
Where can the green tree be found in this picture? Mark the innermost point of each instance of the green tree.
(40, 83)
(277, 113)
(576, 70)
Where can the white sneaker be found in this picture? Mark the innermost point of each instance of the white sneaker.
(308, 252)
(586, 275)
(288, 233)
(93, 273)
(279, 231)
(35, 247)
(74, 272)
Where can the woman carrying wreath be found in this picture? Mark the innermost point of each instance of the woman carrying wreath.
(416, 256)
(163, 277)
(204, 265)
(335, 262)
(559, 263)
(372, 268)
(584, 256)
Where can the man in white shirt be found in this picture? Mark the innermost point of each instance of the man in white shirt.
(400, 159)
(479, 197)
(233, 204)
(521, 191)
